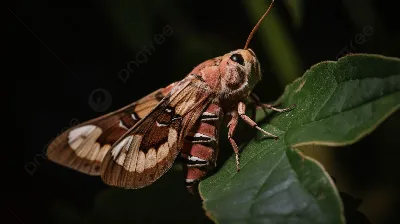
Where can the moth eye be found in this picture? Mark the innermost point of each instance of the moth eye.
(237, 58)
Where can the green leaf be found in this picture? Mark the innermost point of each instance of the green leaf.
(337, 104)
(340, 102)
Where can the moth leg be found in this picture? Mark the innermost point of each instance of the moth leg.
(256, 99)
(257, 103)
(269, 106)
(249, 121)
(254, 107)
(231, 130)
(253, 111)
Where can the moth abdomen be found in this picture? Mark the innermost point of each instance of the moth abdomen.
(200, 149)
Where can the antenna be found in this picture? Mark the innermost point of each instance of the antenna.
(257, 26)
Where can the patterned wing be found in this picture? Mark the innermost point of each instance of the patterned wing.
(84, 146)
(149, 149)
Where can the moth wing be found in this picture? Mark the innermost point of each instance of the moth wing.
(149, 149)
(84, 146)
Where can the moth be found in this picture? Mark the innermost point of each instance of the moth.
(135, 145)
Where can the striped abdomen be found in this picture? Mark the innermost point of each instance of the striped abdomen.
(200, 149)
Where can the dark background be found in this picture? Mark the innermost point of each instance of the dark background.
(59, 53)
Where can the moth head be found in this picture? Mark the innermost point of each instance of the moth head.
(239, 70)
(235, 74)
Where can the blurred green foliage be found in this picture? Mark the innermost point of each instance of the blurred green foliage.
(285, 61)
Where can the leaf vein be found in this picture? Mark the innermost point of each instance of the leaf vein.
(265, 181)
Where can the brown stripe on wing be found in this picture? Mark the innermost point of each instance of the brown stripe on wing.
(145, 153)
(83, 147)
